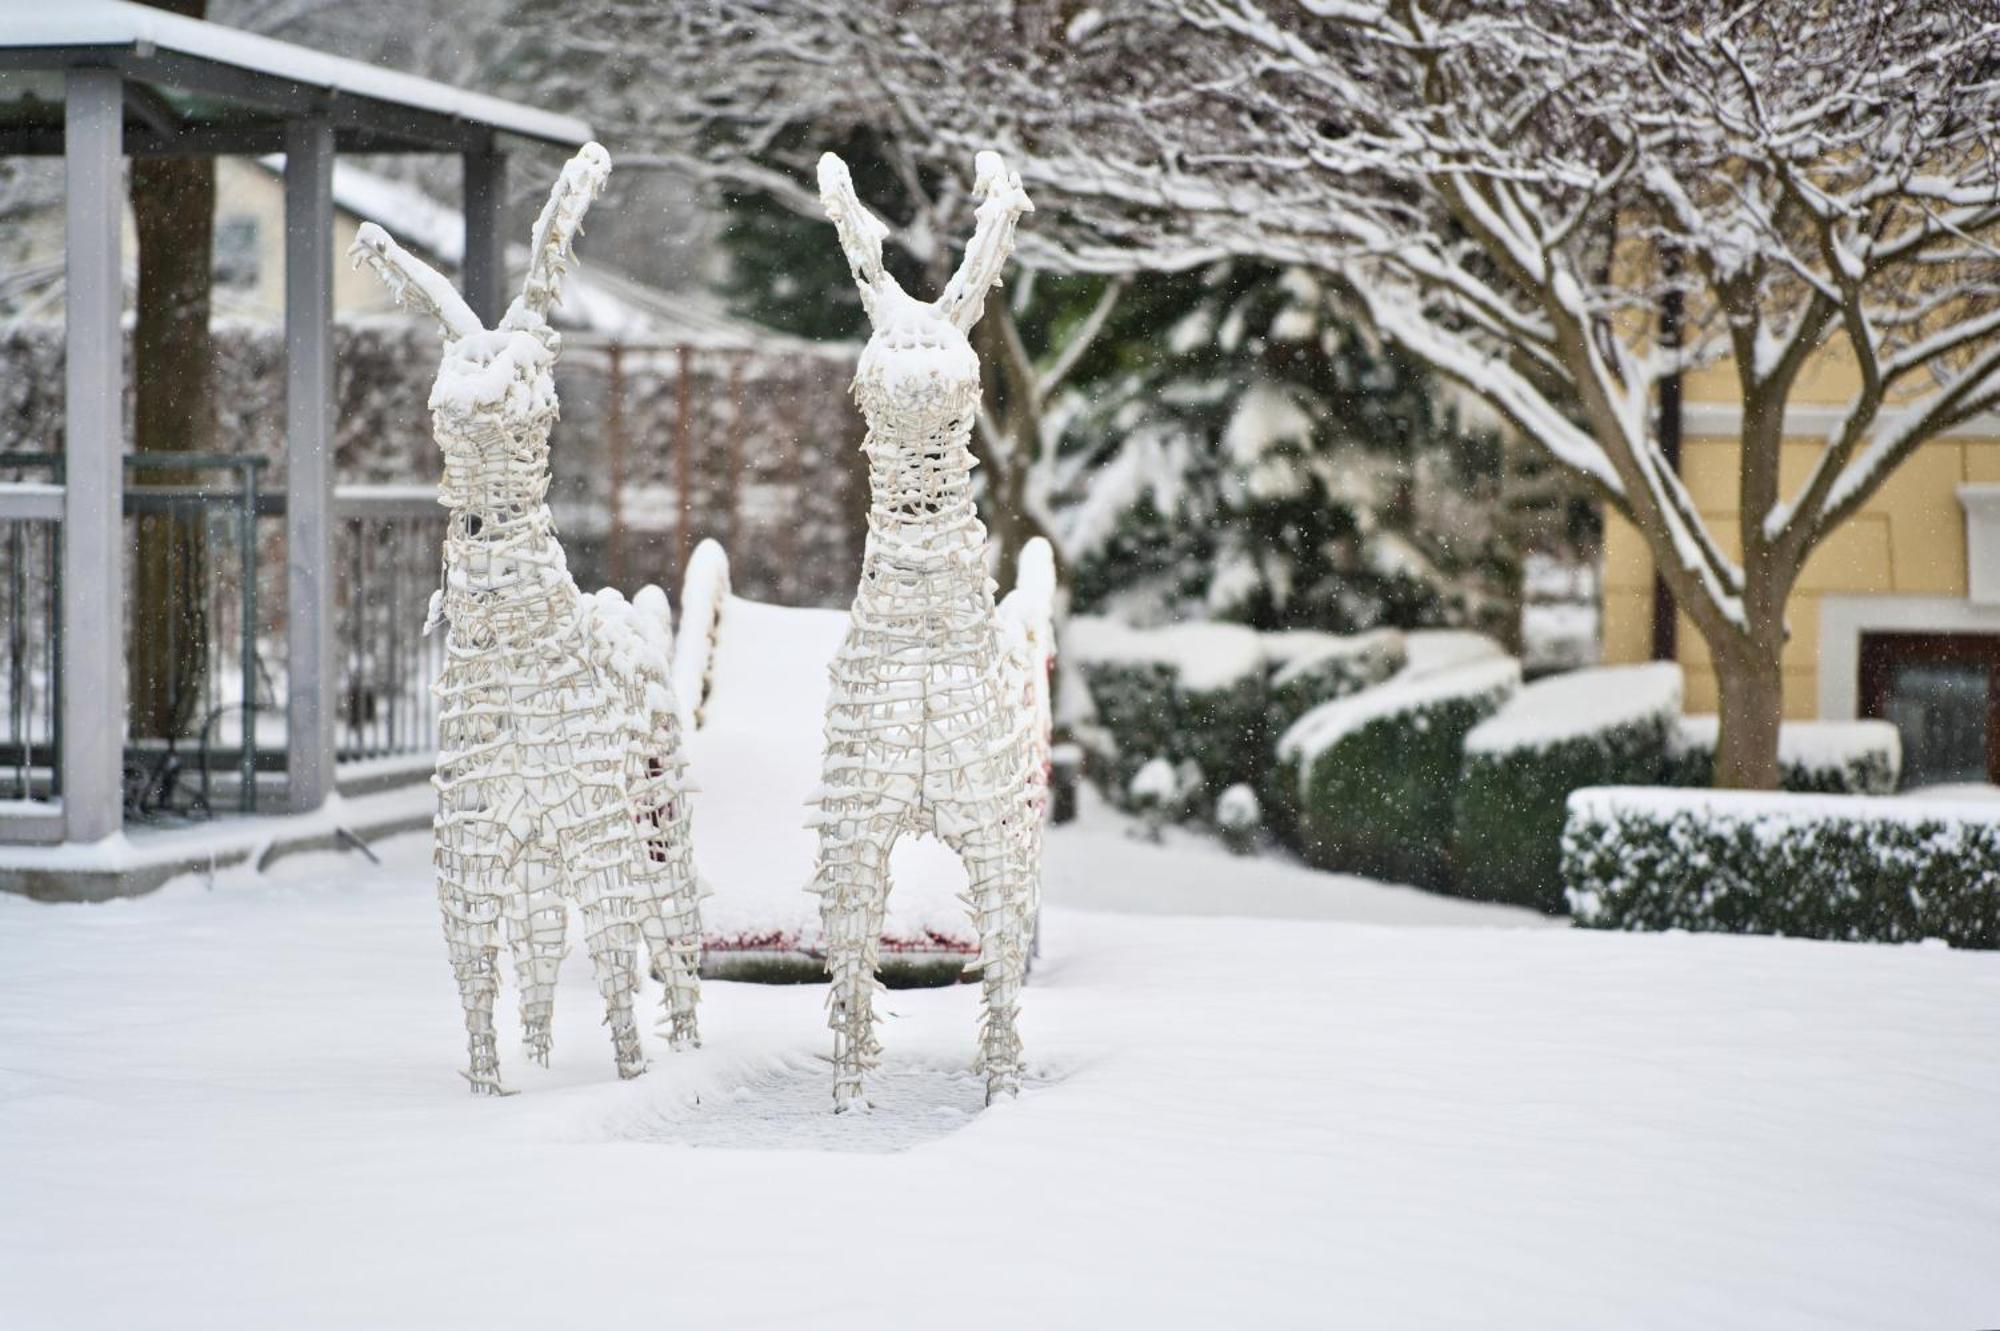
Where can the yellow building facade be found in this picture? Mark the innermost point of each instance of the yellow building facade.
(1897, 612)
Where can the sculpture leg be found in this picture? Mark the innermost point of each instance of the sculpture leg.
(469, 897)
(670, 916)
(853, 883)
(537, 921)
(998, 898)
(611, 927)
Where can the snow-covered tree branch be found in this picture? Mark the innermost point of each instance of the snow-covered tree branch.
(1514, 189)
(780, 81)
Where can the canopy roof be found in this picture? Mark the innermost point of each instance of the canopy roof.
(198, 88)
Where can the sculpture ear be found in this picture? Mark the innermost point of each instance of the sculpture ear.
(556, 230)
(1002, 201)
(414, 283)
(861, 232)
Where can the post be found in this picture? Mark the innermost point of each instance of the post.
(1666, 622)
(733, 464)
(309, 575)
(614, 437)
(93, 593)
(485, 269)
(683, 468)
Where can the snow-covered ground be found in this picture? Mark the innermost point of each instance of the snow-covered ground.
(1259, 1097)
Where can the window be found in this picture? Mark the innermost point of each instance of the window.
(237, 260)
(1942, 693)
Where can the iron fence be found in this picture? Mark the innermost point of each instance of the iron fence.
(226, 750)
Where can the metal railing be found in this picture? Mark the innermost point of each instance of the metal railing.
(31, 668)
(387, 546)
(386, 551)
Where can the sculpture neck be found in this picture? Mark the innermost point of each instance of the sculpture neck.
(506, 578)
(920, 484)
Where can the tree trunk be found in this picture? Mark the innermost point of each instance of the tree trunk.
(1751, 685)
(1010, 403)
(173, 206)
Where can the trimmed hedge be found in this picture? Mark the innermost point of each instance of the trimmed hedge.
(1810, 866)
(1378, 772)
(1605, 726)
(1308, 668)
(1814, 757)
(1206, 692)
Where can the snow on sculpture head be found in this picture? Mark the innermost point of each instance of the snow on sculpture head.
(918, 361)
(494, 401)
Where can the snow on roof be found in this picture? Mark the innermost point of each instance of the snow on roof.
(1579, 703)
(1206, 657)
(118, 23)
(1809, 744)
(1777, 808)
(1327, 724)
(595, 299)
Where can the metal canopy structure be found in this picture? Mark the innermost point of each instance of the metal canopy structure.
(101, 80)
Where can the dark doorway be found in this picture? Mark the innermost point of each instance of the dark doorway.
(1942, 693)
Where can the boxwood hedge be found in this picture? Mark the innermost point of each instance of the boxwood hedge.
(1810, 866)
(1814, 757)
(1377, 773)
(1605, 726)
(1206, 692)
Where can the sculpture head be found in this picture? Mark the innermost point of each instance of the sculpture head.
(919, 363)
(494, 400)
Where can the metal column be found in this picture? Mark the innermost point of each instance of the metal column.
(485, 252)
(93, 571)
(309, 575)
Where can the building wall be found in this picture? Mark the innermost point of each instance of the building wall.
(1907, 541)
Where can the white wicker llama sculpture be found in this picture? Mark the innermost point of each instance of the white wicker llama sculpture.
(560, 764)
(927, 725)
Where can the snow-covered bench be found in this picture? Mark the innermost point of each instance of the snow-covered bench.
(752, 683)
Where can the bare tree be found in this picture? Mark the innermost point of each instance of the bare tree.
(742, 96)
(1513, 188)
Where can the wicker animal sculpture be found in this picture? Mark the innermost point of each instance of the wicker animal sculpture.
(560, 767)
(926, 727)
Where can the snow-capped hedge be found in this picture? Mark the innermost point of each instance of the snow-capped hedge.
(1308, 668)
(1605, 726)
(1208, 693)
(1823, 757)
(1377, 773)
(1811, 866)
(1185, 692)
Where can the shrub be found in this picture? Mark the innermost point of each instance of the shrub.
(1308, 668)
(1202, 693)
(1377, 772)
(1811, 866)
(1607, 726)
(1823, 757)
(1238, 816)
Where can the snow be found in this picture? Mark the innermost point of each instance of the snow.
(1206, 657)
(1155, 783)
(1238, 808)
(118, 24)
(1429, 651)
(756, 762)
(1559, 635)
(1256, 1096)
(1577, 704)
(1297, 652)
(704, 589)
(1330, 722)
(1953, 805)
(1811, 744)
